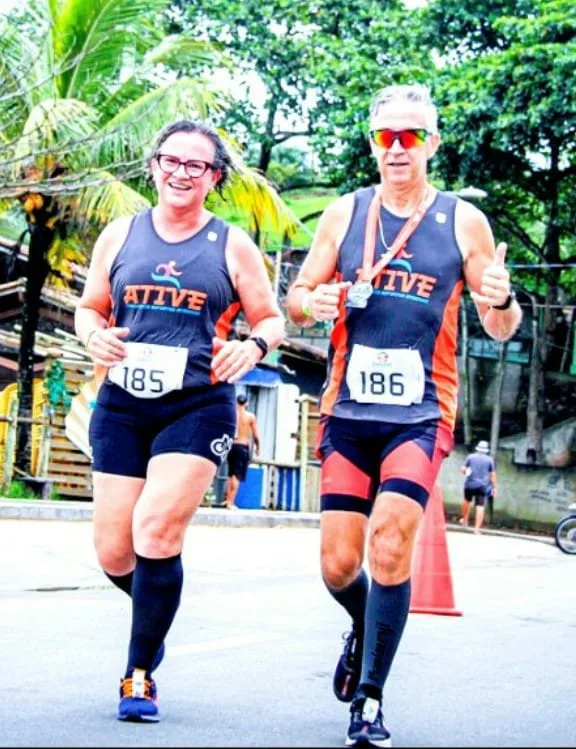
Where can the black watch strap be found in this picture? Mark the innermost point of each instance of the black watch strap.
(261, 343)
(508, 302)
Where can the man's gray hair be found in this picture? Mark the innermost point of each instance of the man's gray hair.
(415, 92)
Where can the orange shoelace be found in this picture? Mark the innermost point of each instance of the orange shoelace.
(127, 689)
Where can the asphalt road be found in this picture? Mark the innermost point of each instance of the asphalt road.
(250, 656)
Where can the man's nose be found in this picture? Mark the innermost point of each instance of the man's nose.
(396, 146)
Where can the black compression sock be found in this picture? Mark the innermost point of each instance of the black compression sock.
(353, 599)
(386, 614)
(124, 582)
(156, 591)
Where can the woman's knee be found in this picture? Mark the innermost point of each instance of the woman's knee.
(159, 533)
(115, 555)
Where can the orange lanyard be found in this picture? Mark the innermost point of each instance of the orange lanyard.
(369, 270)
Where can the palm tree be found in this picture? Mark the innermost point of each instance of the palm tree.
(86, 85)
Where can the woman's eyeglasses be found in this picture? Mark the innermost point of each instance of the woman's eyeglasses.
(408, 138)
(193, 168)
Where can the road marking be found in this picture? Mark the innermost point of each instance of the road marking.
(224, 643)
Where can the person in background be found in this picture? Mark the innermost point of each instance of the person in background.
(479, 484)
(387, 266)
(239, 455)
(157, 314)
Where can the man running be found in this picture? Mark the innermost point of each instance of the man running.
(388, 265)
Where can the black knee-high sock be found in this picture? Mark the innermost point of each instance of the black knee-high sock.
(353, 599)
(386, 613)
(124, 582)
(156, 590)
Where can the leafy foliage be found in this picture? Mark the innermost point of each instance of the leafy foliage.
(508, 112)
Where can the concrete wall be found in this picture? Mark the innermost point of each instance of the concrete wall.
(528, 497)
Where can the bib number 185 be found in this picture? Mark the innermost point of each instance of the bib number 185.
(139, 379)
(150, 370)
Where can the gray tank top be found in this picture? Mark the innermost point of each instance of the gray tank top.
(175, 293)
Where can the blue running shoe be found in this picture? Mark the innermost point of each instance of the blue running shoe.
(348, 668)
(158, 658)
(367, 727)
(138, 699)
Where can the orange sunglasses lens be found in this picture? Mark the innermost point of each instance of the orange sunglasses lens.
(408, 138)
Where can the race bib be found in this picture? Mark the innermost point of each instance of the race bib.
(392, 377)
(150, 370)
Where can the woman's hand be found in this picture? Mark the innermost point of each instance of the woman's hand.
(232, 359)
(105, 345)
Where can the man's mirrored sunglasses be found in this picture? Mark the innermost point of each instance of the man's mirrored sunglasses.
(408, 138)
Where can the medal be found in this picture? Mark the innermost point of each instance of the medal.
(359, 294)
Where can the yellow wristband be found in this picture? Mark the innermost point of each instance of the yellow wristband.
(306, 311)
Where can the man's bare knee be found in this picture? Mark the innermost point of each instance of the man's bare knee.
(341, 569)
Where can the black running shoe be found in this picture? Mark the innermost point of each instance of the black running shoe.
(348, 668)
(367, 727)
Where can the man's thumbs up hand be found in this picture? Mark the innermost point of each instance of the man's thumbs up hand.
(495, 282)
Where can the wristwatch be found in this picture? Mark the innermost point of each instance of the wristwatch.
(508, 302)
(261, 343)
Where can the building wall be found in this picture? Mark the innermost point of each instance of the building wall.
(529, 497)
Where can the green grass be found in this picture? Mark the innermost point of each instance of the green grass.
(302, 202)
(17, 490)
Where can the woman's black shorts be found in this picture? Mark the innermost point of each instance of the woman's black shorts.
(125, 432)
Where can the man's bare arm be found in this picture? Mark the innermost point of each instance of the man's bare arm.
(486, 273)
(311, 297)
(255, 435)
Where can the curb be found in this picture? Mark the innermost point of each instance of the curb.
(45, 509)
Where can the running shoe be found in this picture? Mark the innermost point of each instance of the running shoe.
(138, 699)
(367, 727)
(348, 668)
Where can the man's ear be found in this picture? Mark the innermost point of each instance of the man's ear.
(434, 141)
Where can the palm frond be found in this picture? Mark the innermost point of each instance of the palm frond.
(64, 255)
(16, 97)
(99, 34)
(12, 221)
(177, 47)
(251, 195)
(105, 201)
(56, 126)
(132, 131)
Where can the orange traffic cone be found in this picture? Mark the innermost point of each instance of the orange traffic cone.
(432, 591)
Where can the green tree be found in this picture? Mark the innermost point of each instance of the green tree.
(507, 97)
(271, 40)
(358, 48)
(86, 85)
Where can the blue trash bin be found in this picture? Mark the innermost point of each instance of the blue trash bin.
(249, 496)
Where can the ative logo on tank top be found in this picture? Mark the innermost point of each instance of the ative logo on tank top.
(166, 295)
(398, 279)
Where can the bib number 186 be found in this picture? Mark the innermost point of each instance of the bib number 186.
(381, 383)
(388, 377)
